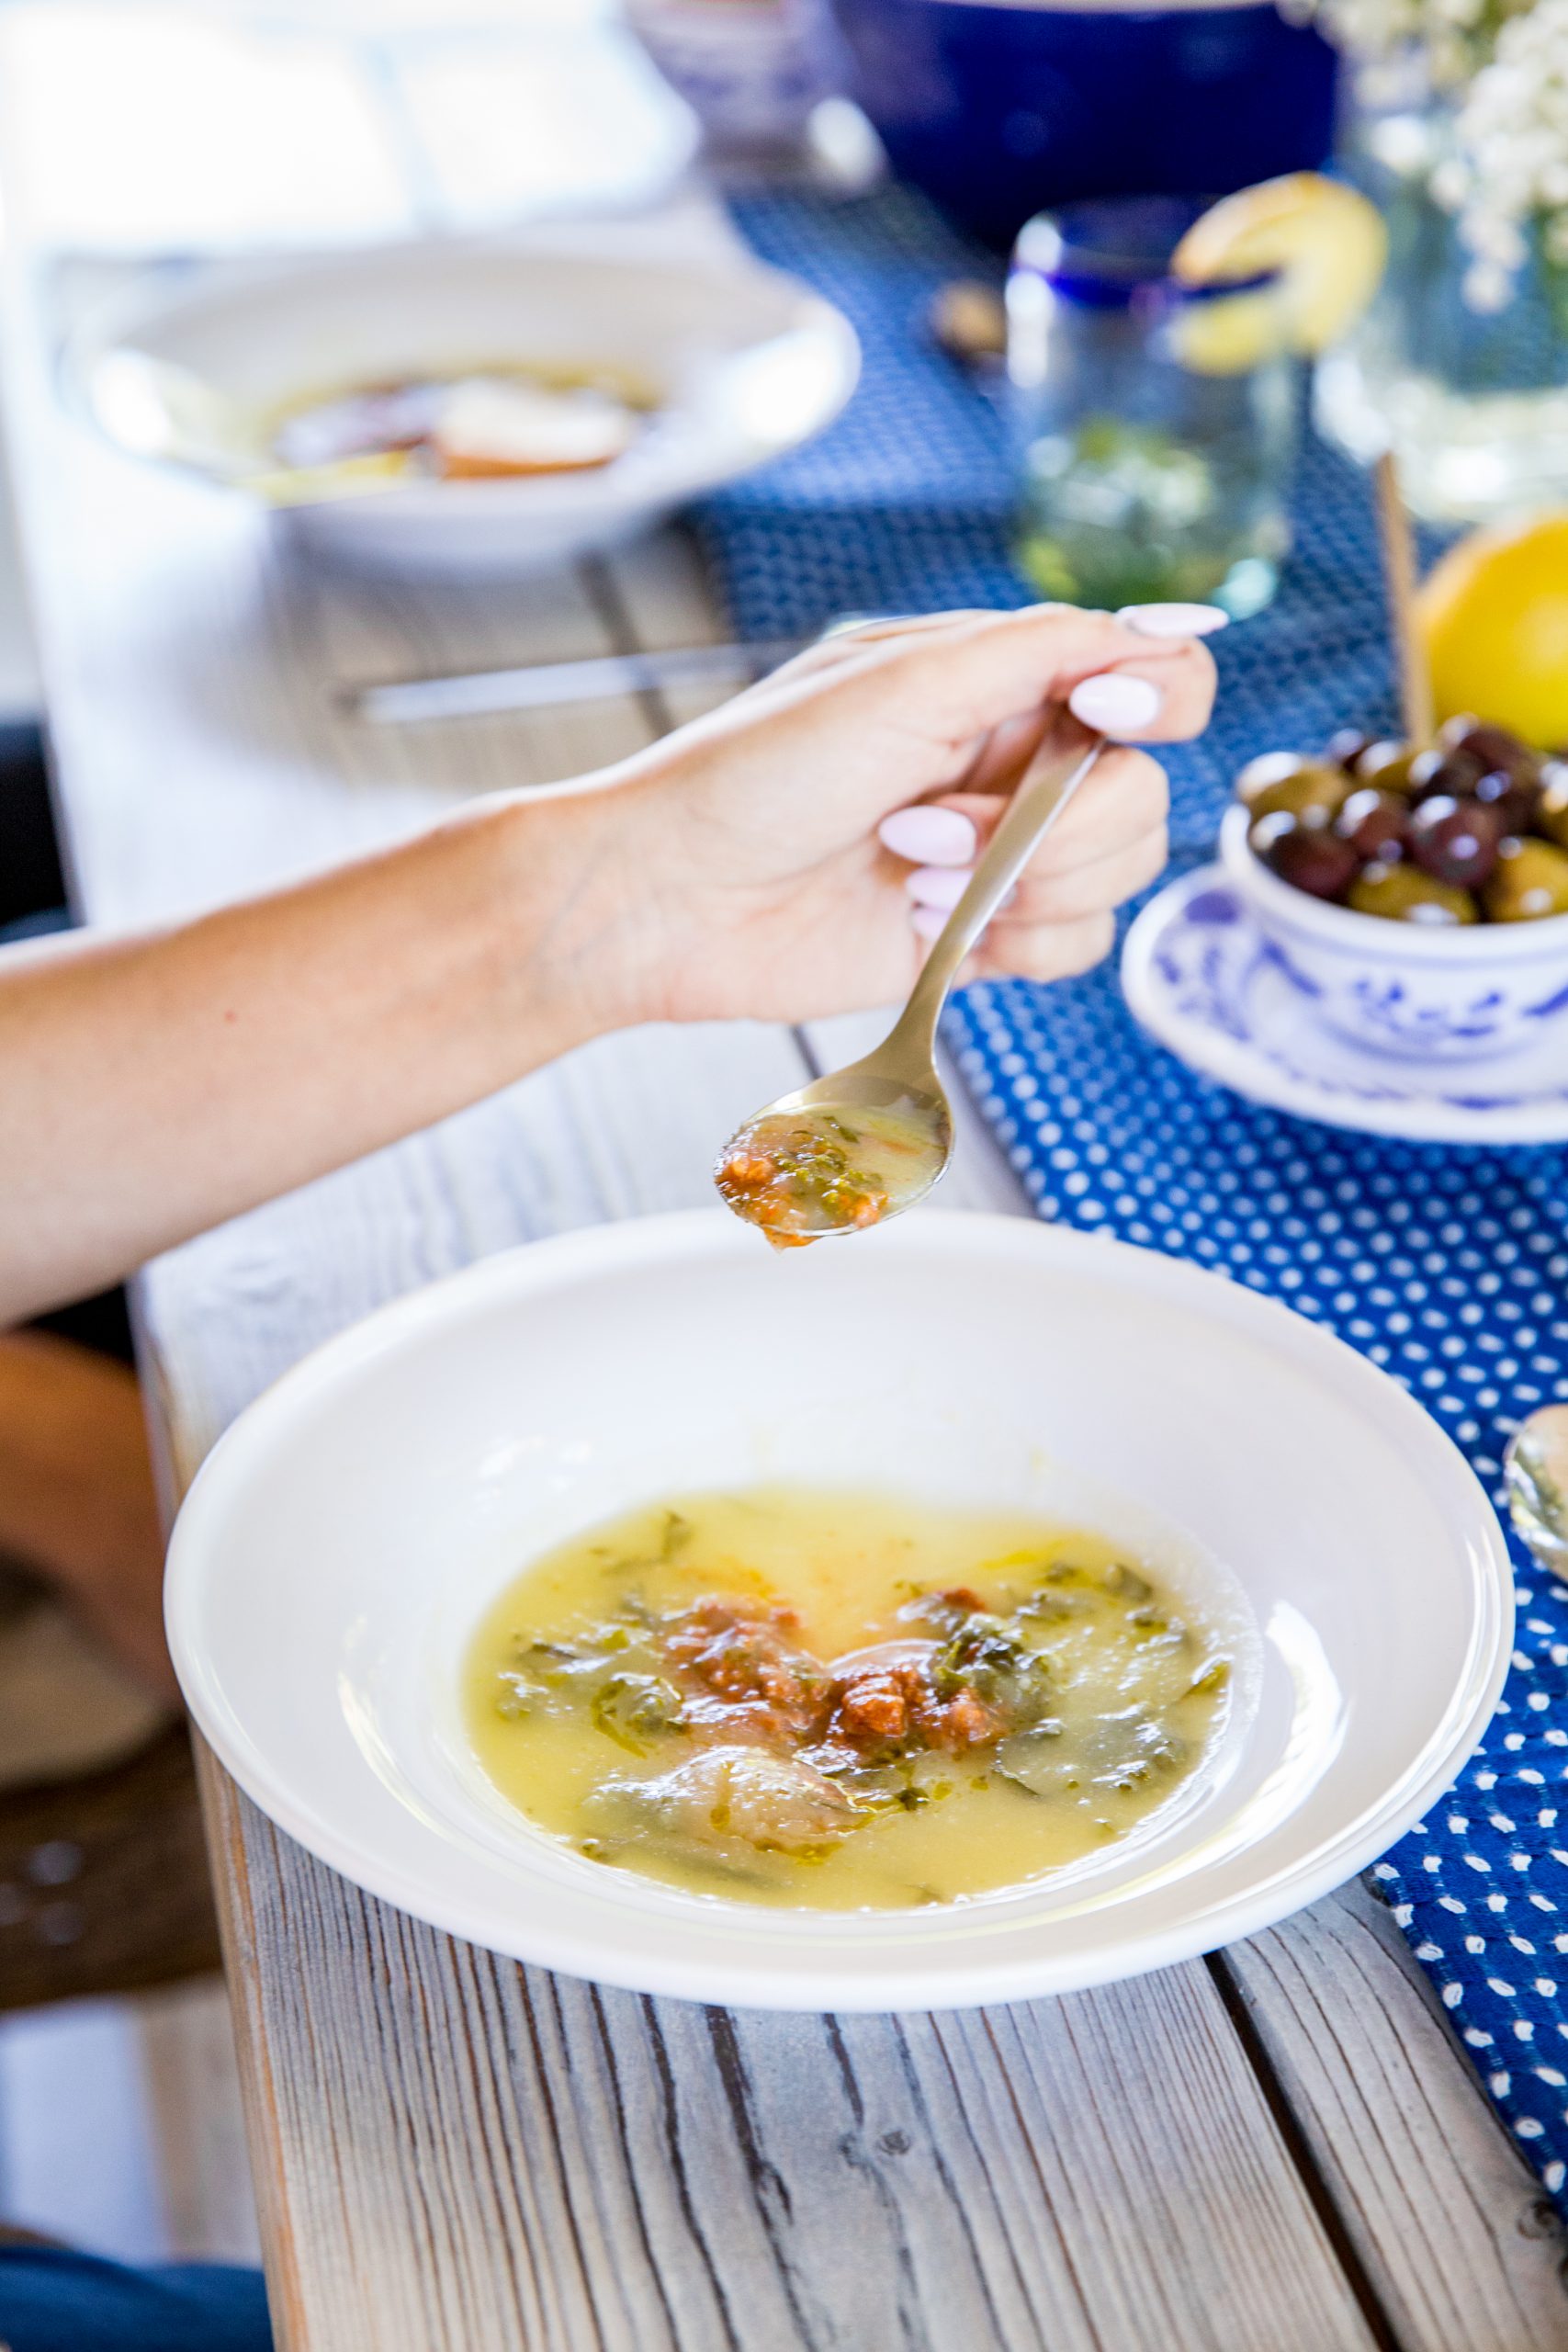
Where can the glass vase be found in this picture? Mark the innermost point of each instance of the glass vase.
(1472, 401)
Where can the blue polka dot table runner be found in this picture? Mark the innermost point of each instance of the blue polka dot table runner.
(1448, 1266)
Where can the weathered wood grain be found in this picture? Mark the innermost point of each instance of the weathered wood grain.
(564, 2168)
(1463, 2248)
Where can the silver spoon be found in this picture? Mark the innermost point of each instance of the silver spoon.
(885, 1119)
(1535, 1468)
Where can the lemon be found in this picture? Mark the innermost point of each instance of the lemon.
(1326, 243)
(1494, 616)
(1230, 334)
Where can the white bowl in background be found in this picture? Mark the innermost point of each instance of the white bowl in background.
(340, 1546)
(1445, 993)
(743, 362)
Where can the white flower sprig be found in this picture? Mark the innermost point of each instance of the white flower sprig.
(1445, 40)
(1509, 169)
(1502, 65)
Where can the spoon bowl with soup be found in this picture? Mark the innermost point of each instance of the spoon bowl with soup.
(868, 1142)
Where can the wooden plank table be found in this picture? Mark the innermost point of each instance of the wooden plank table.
(1279, 2146)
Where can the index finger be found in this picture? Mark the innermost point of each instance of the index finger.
(958, 680)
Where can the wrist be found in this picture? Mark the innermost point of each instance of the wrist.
(574, 961)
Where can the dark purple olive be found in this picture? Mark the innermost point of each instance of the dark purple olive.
(1455, 841)
(1385, 764)
(1514, 794)
(1306, 856)
(1376, 824)
(1438, 770)
(1495, 747)
(1344, 747)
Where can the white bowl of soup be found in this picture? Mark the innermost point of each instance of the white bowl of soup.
(469, 404)
(963, 1612)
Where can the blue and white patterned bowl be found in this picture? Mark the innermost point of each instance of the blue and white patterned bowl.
(1401, 989)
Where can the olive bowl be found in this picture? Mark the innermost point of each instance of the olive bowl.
(1405, 990)
(347, 1536)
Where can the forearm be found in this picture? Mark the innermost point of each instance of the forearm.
(151, 1086)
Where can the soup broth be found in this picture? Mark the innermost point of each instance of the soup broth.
(799, 1174)
(839, 1701)
(479, 423)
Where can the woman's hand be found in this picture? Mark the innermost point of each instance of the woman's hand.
(791, 855)
(786, 856)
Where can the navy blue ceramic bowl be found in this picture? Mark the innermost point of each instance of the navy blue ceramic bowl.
(997, 107)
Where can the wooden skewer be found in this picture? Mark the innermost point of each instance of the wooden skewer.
(1399, 574)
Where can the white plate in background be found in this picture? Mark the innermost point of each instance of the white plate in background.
(743, 362)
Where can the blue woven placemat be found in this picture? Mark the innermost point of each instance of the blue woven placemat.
(1449, 1268)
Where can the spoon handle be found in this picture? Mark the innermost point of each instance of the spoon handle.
(1028, 817)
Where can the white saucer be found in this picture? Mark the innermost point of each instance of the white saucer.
(1200, 975)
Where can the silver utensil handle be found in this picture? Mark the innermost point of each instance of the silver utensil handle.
(538, 686)
(1027, 817)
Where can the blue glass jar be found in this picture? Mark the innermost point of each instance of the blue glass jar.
(1156, 424)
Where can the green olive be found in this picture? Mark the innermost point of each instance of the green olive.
(1528, 881)
(1551, 815)
(1403, 893)
(1279, 781)
(1387, 766)
(1268, 768)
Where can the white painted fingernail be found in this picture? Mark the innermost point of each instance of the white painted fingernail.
(929, 836)
(929, 922)
(1174, 620)
(937, 886)
(1114, 703)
